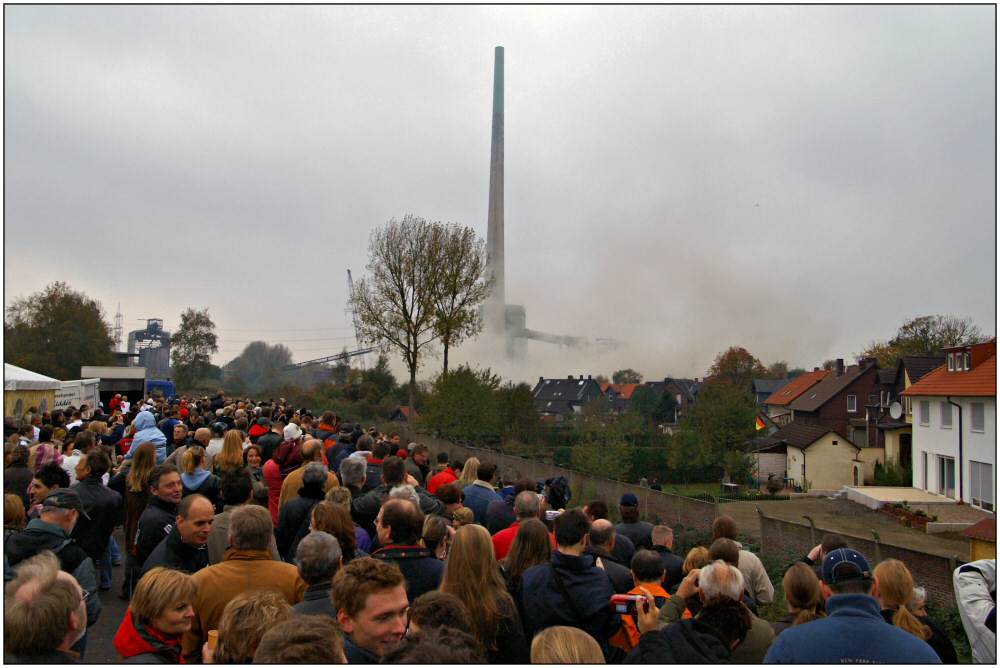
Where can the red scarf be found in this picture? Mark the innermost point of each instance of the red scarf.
(132, 640)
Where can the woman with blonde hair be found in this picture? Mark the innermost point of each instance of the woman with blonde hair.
(470, 473)
(565, 644)
(895, 592)
(803, 596)
(471, 574)
(245, 620)
(696, 558)
(196, 480)
(230, 459)
(463, 517)
(160, 613)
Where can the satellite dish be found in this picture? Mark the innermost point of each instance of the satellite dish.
(896, 410)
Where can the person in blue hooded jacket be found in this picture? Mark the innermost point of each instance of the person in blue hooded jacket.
(147, 431)
(196, 480)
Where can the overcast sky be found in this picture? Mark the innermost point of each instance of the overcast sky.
(797, 180)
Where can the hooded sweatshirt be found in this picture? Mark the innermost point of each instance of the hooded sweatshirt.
(134, 640)
(146, 431)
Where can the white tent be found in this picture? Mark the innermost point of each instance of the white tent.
(16, 378)
(23, 389)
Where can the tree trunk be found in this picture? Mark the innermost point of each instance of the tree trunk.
(444, 372)
(413, 389)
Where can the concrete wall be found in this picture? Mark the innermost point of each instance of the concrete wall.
(930, 571)
(669, 508)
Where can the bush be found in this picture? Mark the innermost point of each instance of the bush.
(774, 486)
(949, 619)
(893, 475)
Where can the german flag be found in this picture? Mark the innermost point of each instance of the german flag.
(760, 424)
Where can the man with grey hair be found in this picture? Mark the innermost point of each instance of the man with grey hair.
(601, 541)
(247, 563)
(407, 492)
(352, 475)
(293, 520)
(713, 581)
(44, 613)
(526, 506)
(318, 558)
(202, 436)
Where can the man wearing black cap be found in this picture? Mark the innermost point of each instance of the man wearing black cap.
(640, 533)
(50, 531)
(854, 630)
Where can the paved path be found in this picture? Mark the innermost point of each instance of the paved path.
(845, 517)
(100, 636)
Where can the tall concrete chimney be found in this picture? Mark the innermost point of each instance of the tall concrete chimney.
(494, 232)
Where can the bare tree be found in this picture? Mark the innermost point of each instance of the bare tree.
(394, 302)
(461, 284)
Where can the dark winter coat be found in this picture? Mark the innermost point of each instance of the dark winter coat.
(478, 496)
(105, 507)
(938, 641)
(293, 522)
(684, 642)
(422, 570)
(268, 443)
(316, 601)
(365, 509)
(620, 576)
(543, 603)
(173, 552)
(674, 567)
(499, 515)
(156, 522)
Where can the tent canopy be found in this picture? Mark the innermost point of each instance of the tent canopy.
(16, 378)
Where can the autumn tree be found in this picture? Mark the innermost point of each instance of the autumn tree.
(736, 367)
(924, 335)
(394, 302)
(192, 346)
(626, 376)
(261, 365)
(55, 332)
(461, 283)
(722, 419)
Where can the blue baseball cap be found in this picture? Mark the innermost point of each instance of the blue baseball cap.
(629, 499)
(849, 565)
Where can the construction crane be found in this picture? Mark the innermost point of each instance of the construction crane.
(354, 314)
(332, 358)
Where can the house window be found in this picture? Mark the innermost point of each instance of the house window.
(945, 415)
(852, 403)
(926, 487)
(978, 411)
(982, 485)
(951, 361)
(925, 413)
(946, 476)
(967, 365)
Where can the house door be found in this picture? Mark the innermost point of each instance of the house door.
(946, 476)
(905, 450)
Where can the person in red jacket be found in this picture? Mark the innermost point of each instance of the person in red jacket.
(446, 475)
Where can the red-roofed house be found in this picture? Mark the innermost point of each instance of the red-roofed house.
(983, 539)
(620, 394)
(777, 403)
(402, 414)
(955, 426)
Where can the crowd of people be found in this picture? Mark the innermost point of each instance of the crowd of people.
(258, 532)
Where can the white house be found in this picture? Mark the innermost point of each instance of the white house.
(955, 426)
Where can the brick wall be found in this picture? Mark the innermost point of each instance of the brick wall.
(930, 571)
(670, 508)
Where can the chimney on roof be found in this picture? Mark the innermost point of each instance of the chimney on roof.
(581, 376)
(589, 377)
(541, 379)
(840, 366)
(569, 377)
